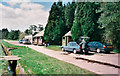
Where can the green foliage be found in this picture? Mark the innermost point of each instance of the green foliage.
(110, 20)
(33, 29)
(85, 23)
(55, 27)
(14, 35)
(69, 15)
(60, 22)
(27, 31)
(0, 34)
(5, 33)
(3, 63)
(40, 27)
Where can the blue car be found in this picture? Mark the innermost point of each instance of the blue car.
(99, 47)
(20, 41)
(71, 46)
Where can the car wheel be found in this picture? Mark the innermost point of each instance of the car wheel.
(86, 52)
(63, 49)
(98, 50)
(74, 51)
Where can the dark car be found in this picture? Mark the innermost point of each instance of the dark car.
(99, 47)
(20, 41)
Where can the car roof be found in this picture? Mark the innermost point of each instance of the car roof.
(94, 41)
(72, 42)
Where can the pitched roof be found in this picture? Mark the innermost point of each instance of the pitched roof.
(41, 33)
(68, 34)
(28, 36)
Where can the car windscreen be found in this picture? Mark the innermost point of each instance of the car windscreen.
(73, 44)
(94, 44)
(26, 40)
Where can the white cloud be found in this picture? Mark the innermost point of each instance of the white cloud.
(22, 17)
(18, 1)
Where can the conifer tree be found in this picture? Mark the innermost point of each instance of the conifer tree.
(85, 23)
(69, 15)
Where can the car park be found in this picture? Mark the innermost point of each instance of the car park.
(99, 47)
(20, 41)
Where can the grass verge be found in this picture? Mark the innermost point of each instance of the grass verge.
(34, 62)
(54, 47)
(3, 63)
(12, 40)
(117, 51)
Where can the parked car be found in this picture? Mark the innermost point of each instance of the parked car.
(26, 41)
(71, 46)
(20, 41)
(99, 47)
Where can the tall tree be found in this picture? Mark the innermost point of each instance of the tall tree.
(5, 33)
(60, 28)
(48, 33)
(33, 29)
(69, 15)
(0, 34)
(110, 20)
(27, 31)
(56, 24)
(40, 27)
(85, 23)
(14, 34)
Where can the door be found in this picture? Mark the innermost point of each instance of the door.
(70, 47)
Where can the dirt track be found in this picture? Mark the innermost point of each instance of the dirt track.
(93, 67)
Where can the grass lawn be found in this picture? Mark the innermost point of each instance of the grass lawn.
(12, 40)
(3, 64)
(0, 61)
(117, 51)
(54, 47)
(34, 62)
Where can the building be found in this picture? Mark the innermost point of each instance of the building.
(38, 39)
(67, 38)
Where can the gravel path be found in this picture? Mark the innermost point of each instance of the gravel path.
(93, 67)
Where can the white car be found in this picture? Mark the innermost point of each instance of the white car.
(26, 41)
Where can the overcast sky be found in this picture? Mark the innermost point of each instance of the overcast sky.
(20, 14)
